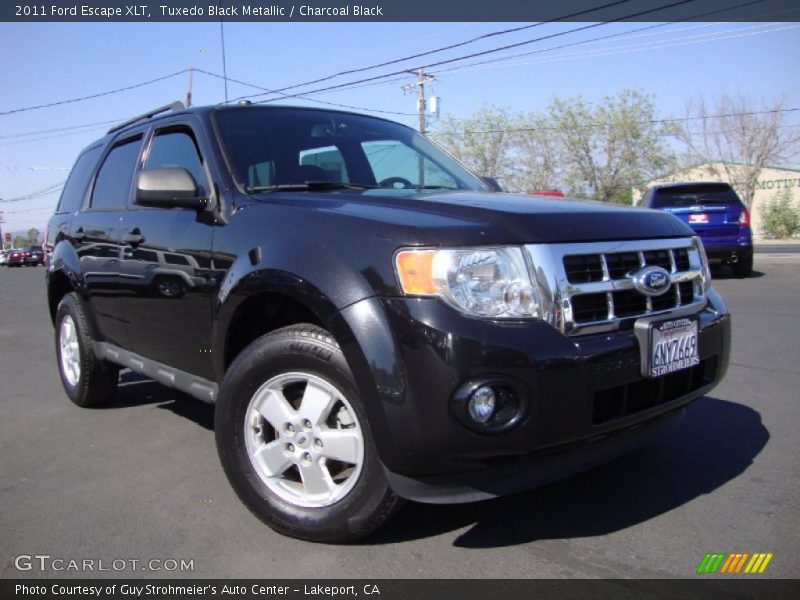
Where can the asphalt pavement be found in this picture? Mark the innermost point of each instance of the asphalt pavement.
(140, 479)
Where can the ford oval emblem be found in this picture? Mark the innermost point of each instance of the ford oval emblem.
(652, 281)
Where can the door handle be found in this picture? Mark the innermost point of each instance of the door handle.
(133, 238)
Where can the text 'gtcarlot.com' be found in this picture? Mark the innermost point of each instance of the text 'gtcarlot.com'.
(46, 562)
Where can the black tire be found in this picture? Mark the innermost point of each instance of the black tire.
(305, 349)
(743, 267)
(97, 382)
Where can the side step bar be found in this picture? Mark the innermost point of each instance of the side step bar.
(200, 388)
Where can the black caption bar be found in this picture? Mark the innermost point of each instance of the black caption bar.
(398, 10)
(394, 589)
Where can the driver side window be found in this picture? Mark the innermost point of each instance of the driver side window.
(177, 148)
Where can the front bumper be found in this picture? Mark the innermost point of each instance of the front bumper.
(585, 396)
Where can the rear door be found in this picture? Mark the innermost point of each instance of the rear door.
(165, 269)
(95, 234)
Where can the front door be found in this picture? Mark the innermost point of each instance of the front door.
(165, 271)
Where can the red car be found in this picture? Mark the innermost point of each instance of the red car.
(15, 257)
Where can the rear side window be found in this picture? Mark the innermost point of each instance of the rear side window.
(694, 195)
(113, 184)
(75, 189)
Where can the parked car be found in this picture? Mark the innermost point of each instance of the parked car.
(718, 216)
(371, 321)
(34, 256)
(548, 193)
(3, 258)
(16, 257)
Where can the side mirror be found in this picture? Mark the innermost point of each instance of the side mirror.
(492, 184)
(168, 188)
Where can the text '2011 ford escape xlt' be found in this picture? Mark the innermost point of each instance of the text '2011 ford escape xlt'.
(371, 322)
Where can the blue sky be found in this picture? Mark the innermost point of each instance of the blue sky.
(48, 62)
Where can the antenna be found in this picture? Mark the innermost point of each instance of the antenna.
(224, 65)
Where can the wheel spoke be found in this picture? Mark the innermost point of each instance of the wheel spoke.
(317, 403)
(341, 444)
(274, 407)
(272, 458)
(316, 478)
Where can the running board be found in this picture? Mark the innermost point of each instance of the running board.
(200, 388)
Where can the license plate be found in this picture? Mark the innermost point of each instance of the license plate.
(698, 218)
(673, 346)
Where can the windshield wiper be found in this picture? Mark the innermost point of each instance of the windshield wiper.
(309, 186)
(434, 187)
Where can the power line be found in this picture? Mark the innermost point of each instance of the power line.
(41, 131)
(442, 49)
(630, 48)
(647, 122)
(37, 194)
(98, 95)
(611, 36)
(491, 51)
(258, 87)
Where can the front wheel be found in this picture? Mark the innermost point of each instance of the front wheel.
(294, 439)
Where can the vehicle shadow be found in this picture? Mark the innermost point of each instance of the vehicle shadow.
(716, 442)
(725, 272)
(137, 390)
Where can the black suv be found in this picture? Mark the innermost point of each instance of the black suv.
(370, 320)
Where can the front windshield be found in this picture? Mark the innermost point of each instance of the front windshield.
(283, 148)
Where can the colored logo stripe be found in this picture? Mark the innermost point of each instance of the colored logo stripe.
(758, 563)
(731, 564)
(711, 563)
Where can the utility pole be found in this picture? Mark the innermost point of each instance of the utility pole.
(422, 79)
(189, 91)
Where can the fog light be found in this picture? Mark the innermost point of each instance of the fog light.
(482, 404)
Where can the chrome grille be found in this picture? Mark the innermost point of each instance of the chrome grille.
(586, 287)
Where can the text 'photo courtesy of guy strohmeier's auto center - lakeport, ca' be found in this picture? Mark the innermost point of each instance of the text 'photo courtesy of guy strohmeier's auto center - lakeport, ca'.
(464, 299)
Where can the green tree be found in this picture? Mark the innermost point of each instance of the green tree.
(741, 135)
(780, 218)
(482, 142)
(609, 147)
(536, 155)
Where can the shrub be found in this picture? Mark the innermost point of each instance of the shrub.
(779, 216)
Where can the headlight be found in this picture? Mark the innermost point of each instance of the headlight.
(705, 269)
(482, 282)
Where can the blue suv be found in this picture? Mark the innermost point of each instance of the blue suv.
(717, 215)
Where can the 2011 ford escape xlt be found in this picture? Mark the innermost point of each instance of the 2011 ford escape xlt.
(370, 320)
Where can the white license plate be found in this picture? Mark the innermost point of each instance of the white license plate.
(673, 346)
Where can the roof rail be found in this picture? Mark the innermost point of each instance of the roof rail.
(177, 105)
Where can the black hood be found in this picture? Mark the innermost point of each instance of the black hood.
(475, 218)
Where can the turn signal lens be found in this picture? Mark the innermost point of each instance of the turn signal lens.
(415, 270)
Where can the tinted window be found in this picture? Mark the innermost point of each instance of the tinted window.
(175, 259)
(329, 159)
(75, 189)
(392, 160)
(172, 149)
(291, 146)
(694, 195)
(100, 250)
(139, 254)
(113, 185)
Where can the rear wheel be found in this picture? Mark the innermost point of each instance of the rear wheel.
(294, 439)
(87, 380)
